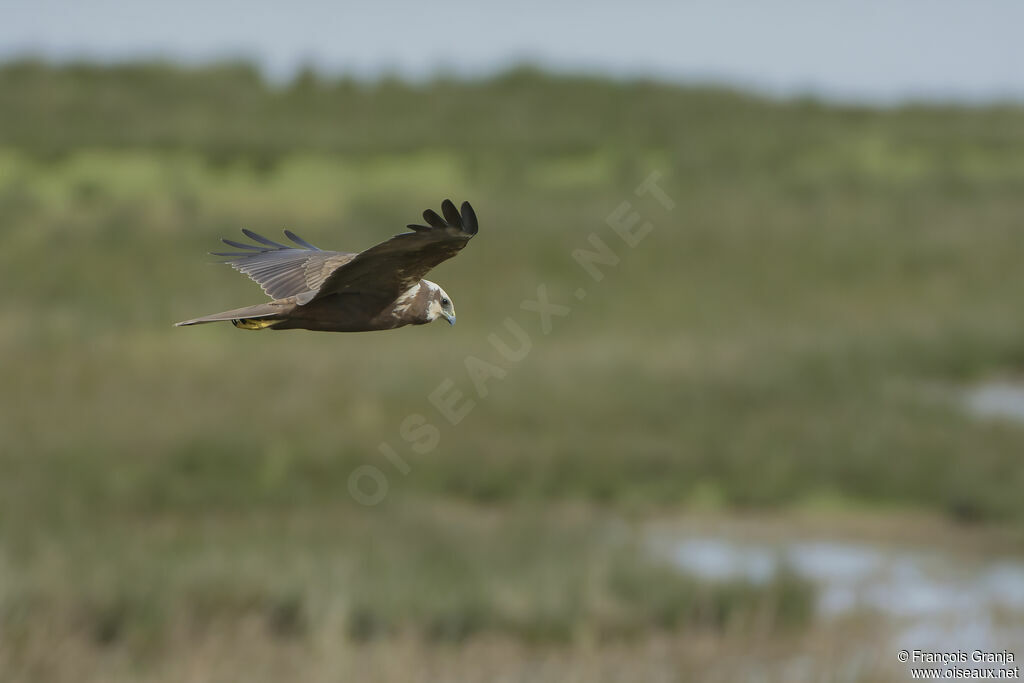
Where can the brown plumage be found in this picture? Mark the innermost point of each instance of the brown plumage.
(332, 291)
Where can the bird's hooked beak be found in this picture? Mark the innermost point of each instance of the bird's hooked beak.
(450, 317)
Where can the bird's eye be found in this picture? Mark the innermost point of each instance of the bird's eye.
(445, 302)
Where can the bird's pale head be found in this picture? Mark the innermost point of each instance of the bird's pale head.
(440, 304)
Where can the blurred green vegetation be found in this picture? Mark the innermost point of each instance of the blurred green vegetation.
(795, 329)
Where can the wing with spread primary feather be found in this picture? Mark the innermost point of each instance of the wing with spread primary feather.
(381, 273)
(280, 269)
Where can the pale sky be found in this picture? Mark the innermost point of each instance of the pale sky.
(875, 50)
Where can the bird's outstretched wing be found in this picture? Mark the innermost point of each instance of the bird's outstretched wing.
(381, 273)
(378, 275)
(280, 269)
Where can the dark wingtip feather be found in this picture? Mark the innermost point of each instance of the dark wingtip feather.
(418, 228)
(451, 214)
(240, 245)
(261, 239)
(433, 220)
(465, 221)
(299, 241)
(469, 218)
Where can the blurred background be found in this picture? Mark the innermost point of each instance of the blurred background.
(779, 440)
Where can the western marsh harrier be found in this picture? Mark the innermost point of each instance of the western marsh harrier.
(332, 291)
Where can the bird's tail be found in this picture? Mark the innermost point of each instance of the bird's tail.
(255, 317)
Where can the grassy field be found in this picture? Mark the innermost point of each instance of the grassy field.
(792, 333)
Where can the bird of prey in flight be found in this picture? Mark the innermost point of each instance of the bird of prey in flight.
(331, 291)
